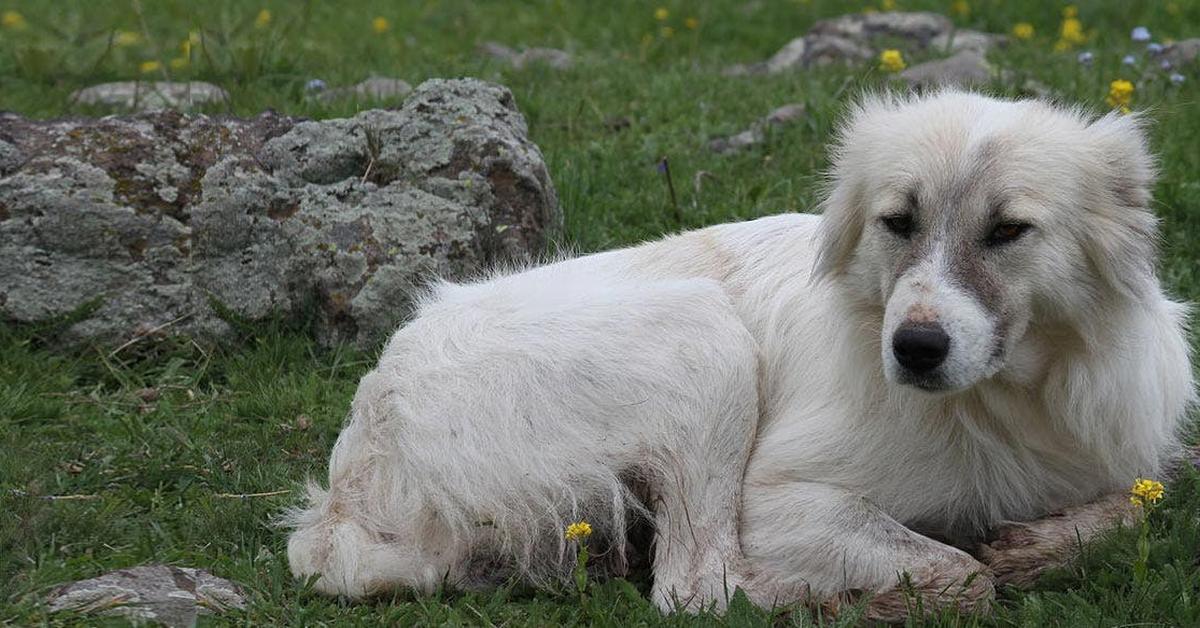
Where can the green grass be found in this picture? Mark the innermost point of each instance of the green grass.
(227, 420)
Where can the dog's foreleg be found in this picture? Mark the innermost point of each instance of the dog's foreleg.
(843, 547)
(1019, 552)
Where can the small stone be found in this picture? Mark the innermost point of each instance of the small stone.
(172, 596)
(1182, 52)
(151, 95)
(960, 40)
(822, 50)
(790, 57)
(147, 394)
(964, 69)
(375, 88)
(552, 57)
(757, 133)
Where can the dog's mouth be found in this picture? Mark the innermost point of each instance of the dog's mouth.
(924, 382)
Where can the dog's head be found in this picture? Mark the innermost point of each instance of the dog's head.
(966, 219)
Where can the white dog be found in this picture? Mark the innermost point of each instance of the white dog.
(972, 333)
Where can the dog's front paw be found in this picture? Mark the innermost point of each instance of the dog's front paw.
(1020, 552)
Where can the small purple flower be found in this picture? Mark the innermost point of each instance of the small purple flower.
(1140, 34)
(1177, 78)
(1129, 60)
(1085, 57)
(1154, 48)
(1165, 64)
(662, 166)
(314, 85)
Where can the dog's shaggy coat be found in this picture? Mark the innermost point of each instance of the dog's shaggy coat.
(971, 333)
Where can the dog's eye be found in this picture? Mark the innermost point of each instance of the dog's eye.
(899, 224)
(1006, 232)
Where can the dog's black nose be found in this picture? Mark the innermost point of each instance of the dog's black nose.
(922, 347)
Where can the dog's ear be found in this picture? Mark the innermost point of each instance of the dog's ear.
(1122, 241)
(842, 211)
(841, 229)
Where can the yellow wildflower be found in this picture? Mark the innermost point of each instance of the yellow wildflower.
(661, 13)
(1070, 11)
(1022, 30)
(380, 25)
(126, 38)
(149, 66)
(691, 23)
(891, 60)
(887, 5)
(179, 63)
(262, 19)
(1072, 31)
(1120, 94)
(1145, 491)
(579, 531)
(961, 8)
(194, 37)
(13, 20)
(666, 32)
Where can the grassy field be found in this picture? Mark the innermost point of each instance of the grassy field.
(158, 446)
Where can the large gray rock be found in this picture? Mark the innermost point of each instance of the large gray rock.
(151, 95)
(162, 224)
(172, 596)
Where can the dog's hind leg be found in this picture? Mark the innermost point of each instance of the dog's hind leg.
(697, 480)
(835, 542)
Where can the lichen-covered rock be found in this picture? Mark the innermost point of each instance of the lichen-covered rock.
(162, 594)
(151, 95)
(164, 224)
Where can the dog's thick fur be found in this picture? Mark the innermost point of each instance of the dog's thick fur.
(745, 378)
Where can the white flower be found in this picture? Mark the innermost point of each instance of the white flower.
(314, 85)
(1177, 78)
(1140, 34)
(1085, 57)
(1129, 60)
(1154, 48)
(1165, 64)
